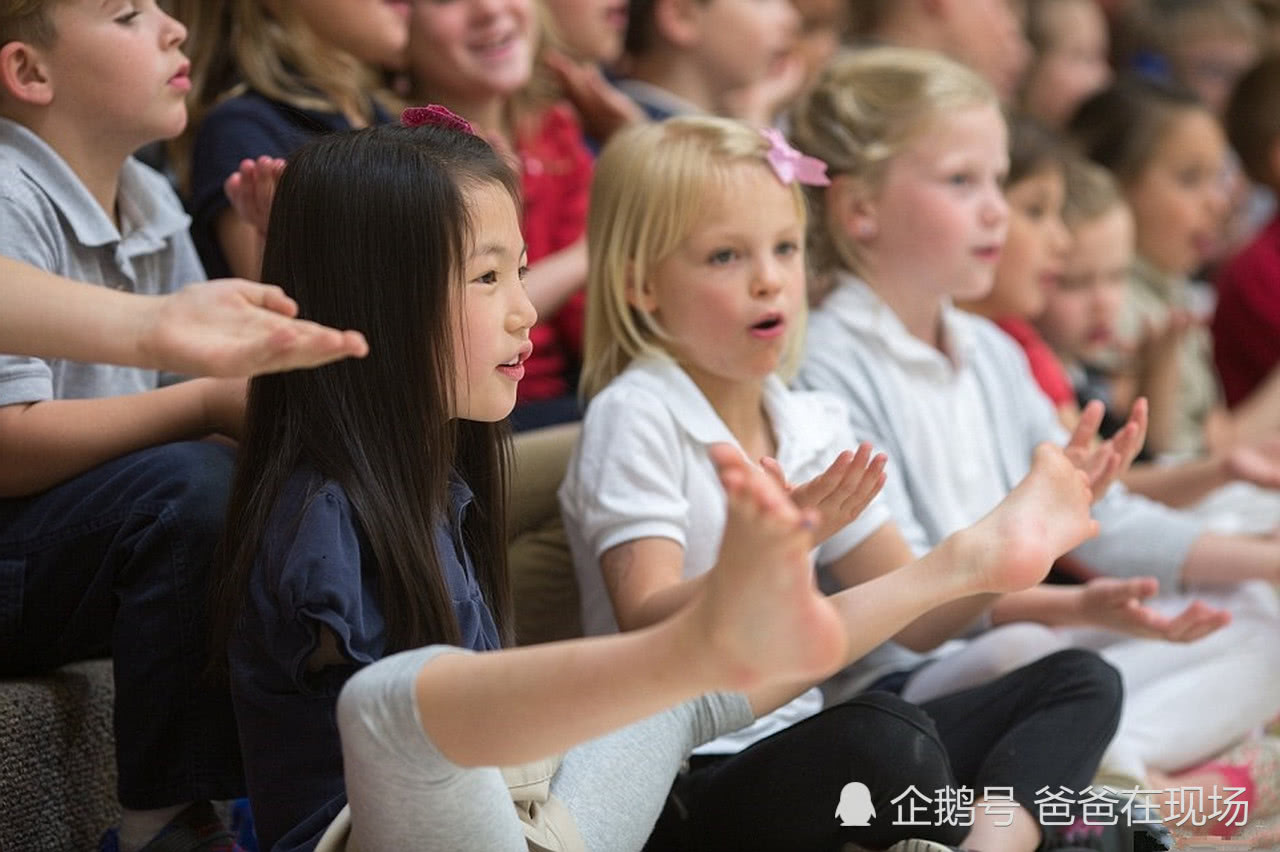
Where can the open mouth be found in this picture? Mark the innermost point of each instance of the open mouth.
(514, 369)
(771, 326)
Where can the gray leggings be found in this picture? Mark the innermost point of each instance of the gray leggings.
(406, 795)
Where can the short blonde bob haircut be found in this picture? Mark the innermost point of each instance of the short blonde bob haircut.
(866, 108)
(648, 195)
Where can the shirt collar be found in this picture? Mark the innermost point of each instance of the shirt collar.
(856, 305)
(147, 220)
(460, 497)
(661, 98)
(694, 413)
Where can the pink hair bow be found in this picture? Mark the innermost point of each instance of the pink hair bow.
(790, 165)
(437, 115)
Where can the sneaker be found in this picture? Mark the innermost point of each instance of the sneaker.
(195, 829)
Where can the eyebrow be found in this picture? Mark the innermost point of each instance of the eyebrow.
(498, 249)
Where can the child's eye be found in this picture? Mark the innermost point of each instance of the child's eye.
(786, 248)
(721, 257)
(960, 179)
(1191, 177)
(128, 17)
(490, 277)
(524, 270)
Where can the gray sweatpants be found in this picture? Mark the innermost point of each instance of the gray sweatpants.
(406, 795)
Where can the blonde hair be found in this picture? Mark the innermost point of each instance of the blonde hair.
(866, 108)
(237, 45)
(1091, 192)
(647, 197)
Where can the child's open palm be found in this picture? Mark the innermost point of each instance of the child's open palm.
(839, 493)
(1117, 604)
(1104, 461)
(251, 189)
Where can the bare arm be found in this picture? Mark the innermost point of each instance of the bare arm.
(757, 620)
(1177, 485)
(645, 581)
(221, 328)
(45, 443)
(241, 244)
(1216, 558)
(1258, 416)
(758, 625)
(881, 553)
(1112, 604)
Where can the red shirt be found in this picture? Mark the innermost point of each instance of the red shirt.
(1246, 324)
(555, 180)
(1045, 364)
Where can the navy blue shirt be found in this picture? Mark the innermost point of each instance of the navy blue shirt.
(243, 128)
(315, 569)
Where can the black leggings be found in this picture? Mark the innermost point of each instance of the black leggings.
(1043, 725)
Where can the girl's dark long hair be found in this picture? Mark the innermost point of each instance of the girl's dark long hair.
(370, 230)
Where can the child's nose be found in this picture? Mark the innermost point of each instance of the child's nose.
(173, 32)
(995, 210)
(522, 314)
(768, 279)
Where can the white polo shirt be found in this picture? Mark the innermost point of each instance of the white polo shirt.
(641, 470)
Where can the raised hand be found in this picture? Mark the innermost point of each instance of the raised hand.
(602, 109)
(761, 605)
(1103, 461)
(251, 189)
(839, 493)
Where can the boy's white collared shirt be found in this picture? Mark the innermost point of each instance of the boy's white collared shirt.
(641, 470)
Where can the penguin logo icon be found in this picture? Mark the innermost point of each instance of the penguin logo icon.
(855, 808)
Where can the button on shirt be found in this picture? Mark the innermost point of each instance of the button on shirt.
(49, 220)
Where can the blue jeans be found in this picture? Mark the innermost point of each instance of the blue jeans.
(117, 562)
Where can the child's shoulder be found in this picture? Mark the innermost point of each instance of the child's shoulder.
(638, 391)
(252, 109)
(1258, 261)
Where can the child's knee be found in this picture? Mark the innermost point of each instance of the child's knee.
(897, 738)
(190, 481)
(1085, 676)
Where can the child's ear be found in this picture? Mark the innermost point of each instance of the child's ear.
(640, 295)
(851, 209)
(678, 21)
(24, 74)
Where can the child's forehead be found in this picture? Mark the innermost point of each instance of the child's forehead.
(743, 192)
